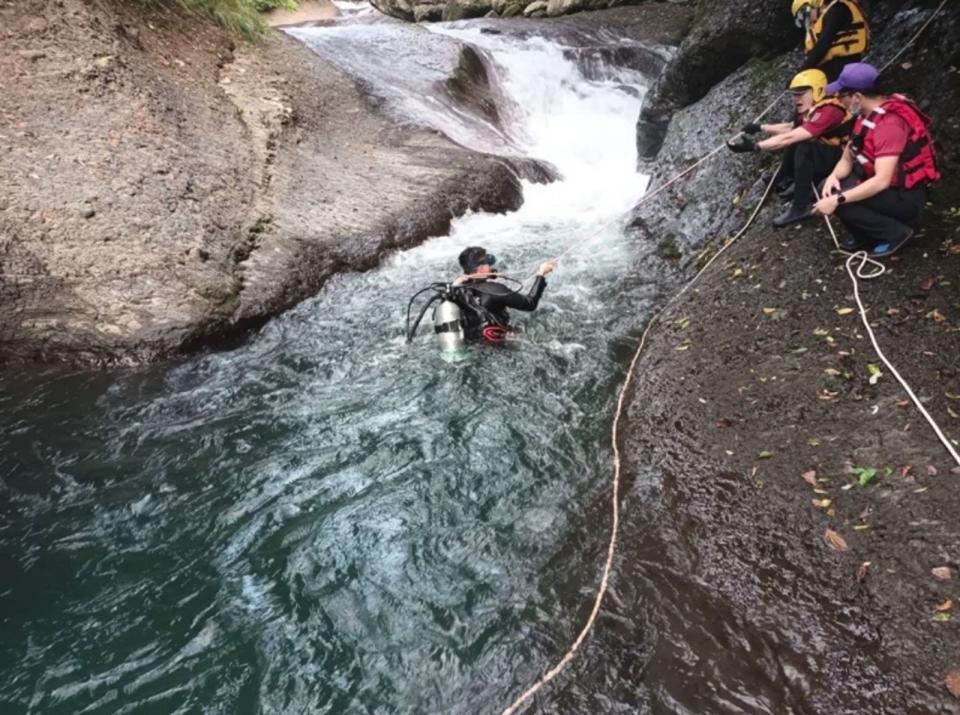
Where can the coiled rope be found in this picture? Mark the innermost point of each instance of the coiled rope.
(860, 271)
(865, 259)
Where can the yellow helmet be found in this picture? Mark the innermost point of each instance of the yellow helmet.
(798, 5)
(811, 79)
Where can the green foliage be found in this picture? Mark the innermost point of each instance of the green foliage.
(264, 5)
(240, 16)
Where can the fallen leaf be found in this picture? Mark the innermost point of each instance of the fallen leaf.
(865, 475)
(951, 396)
(893, 311)
(906, 65)
(737, 272)
(927, 284)
(810, 477)
(936, 316)
(683, 323)
(821, 503)
(945, 606)
(764, 455)
(844, 311)
(905, 471)
(861, 527)
(952, 681)
(942, 573)
(834, 540)
(920, 490)
(723, 423)
(862, 572)
(821, 332)
(826, 395)
(902, 403)
(831, 371)
(769, 311)
(940, 617)
(931, 470)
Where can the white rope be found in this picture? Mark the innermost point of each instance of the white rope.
(865, 260)
(615, 496)
(858, 273)
(915, 36)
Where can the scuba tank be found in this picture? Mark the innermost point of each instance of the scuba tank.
(448, 325)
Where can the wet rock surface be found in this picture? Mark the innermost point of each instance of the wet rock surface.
(164, 190)
(755, 404)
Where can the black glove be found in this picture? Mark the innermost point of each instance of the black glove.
(751, 128)
(743, 144)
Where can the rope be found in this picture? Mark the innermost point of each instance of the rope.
(915, 36)
(858, 273)
(617, 462)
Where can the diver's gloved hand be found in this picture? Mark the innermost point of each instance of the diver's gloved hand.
(751, 128)
(742, 144)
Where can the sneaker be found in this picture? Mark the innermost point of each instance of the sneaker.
(888, 248)
(792, 215)
(851, 244)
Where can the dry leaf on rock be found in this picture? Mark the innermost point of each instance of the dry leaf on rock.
(945, 606)
(952, 681)
(834, 540)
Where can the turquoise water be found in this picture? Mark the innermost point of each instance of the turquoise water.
(327, 520)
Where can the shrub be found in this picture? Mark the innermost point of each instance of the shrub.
(242, 16)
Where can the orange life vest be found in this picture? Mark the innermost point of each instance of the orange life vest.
(853, 39)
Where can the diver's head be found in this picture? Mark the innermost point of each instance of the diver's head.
(476, 261)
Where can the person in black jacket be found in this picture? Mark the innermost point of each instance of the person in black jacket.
(486, 313)
(837, 33)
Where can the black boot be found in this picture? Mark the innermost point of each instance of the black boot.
(794, 214)
(784, 191)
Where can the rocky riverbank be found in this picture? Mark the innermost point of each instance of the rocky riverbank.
(164, 189)
(756, 403)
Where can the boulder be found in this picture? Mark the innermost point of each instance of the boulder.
(536, 9)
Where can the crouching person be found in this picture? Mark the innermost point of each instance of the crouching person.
(879, 187)
(811, 144)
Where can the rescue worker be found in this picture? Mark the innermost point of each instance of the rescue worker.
(485, 312)
(836, 34)
(813, 142)
(879, 187)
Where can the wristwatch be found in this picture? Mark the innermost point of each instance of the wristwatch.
(841, 199)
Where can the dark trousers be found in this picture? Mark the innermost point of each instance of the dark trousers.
(833, 68)
(812, 163)
(885, 217)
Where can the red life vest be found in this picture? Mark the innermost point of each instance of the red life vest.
(918, 162)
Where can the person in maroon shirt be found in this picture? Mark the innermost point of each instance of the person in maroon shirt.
(812, 143)
(879, 186)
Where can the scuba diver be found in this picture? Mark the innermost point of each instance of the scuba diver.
(475, 306)
(485, 310)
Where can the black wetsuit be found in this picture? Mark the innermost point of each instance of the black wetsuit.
(489, 303)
